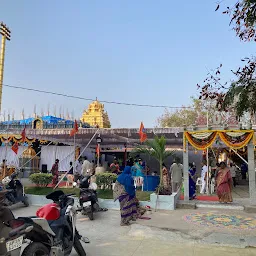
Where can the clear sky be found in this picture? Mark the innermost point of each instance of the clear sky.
(146, 52)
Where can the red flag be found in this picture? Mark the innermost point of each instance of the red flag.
(75, 129)
(23, 134)
(125, 155)
(15, 148)
(98, 151)
(142, 133)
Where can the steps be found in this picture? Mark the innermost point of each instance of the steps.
(210, 205)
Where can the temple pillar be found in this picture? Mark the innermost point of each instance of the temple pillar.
(251, 172)
(185, 172)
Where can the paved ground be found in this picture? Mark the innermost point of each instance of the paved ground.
(167, 233)
(241, 190)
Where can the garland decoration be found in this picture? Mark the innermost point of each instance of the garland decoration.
(201, 144)
(236, 142)
(18, 138)
(205, 139)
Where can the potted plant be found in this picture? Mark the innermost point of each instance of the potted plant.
(156, 148)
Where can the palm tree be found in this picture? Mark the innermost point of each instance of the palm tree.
(155, 148)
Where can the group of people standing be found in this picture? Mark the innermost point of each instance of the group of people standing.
(82, 167)
(225, 179)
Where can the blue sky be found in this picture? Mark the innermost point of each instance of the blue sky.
(146, 52)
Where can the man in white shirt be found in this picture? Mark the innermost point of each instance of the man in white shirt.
(86, 166)
(78, 170)
(203, 177)
(233, 171)
(176, 172)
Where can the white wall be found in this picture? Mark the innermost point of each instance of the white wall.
(64, 153)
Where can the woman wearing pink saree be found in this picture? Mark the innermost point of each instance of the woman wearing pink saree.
(224, 184)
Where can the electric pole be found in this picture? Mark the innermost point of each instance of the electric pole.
(6, 35)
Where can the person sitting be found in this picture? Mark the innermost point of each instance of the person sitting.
(114, 167)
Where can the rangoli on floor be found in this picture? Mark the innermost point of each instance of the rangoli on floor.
(221, 220)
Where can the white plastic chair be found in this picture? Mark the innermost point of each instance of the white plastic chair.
(199, 183)
(139, 182)
(212, 186)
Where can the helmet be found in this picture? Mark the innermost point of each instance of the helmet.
(6, 180)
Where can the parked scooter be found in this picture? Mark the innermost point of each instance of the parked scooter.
(88, 198)
(54, 229)
(11, 230)
(15, 189)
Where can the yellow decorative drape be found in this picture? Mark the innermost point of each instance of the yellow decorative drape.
(246, 139)
(207, 143)
(16, 138)
(202, 140)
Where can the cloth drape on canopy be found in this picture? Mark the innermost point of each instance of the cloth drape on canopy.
(202, 140)
(8, 154)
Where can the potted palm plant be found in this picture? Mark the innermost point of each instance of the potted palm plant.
(156, 148)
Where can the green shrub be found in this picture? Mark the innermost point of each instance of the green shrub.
(105, 179)
(41, 179)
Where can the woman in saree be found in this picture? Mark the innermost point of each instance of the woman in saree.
(55, 172)
(192, 184)
(137, 169)
(166, 178)
(124, 191)
(224, 184)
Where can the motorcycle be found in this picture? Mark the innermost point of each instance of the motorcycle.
(88, 198)
(15, 190)
(11, 230)
(54, 228)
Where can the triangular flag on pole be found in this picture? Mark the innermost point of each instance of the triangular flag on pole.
(15, 148)
(75, 129)
(98, 151)
(23, 134)
(142, 133)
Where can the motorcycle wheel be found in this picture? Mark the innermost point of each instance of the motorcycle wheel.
(90, 213)
(36, 249)
(78, 247)
(25, 201)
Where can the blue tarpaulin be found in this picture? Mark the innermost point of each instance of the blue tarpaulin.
(46, 119)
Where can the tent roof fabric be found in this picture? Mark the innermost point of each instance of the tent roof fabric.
(46, 119)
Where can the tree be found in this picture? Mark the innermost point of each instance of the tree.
(242, 92)
(155, 148)
(196, 113)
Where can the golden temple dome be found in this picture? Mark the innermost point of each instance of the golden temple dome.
(29, 152)
(95, 115)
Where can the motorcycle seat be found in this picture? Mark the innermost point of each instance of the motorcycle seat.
(43, 223)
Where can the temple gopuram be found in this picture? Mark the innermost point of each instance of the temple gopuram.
(96, 116)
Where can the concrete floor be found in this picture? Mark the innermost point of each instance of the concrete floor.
(165, 234)
(241, 190)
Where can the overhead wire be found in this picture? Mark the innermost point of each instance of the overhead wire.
(90, 99)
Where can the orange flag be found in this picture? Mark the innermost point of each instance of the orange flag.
(142, 133)
(75, 129)
(15, 148)
(98, 151)
(23, 134)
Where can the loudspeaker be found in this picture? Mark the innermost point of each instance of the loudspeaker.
(44, 168)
